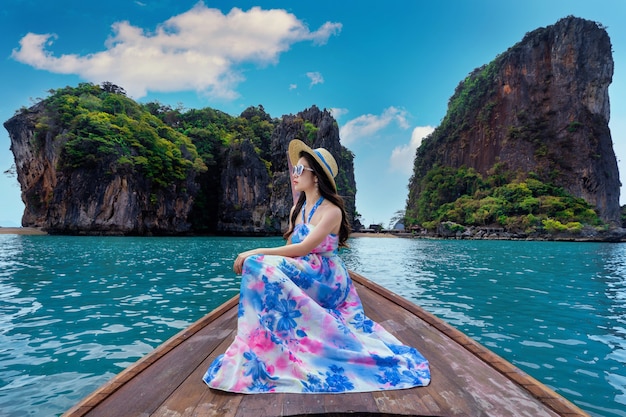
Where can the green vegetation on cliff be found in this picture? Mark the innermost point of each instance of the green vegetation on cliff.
(101, 127)
(98, 126)
(212, 132)
(518, 203)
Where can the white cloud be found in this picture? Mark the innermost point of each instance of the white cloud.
(338, 112)
(198, 50)
(293, 86)
(369, 124)
(402, 157)
(315, 77)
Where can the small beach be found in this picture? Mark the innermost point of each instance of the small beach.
(21, 231)
(361, 234)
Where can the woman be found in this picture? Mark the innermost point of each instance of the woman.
(301, 325)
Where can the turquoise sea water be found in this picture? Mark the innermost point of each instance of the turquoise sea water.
(74, 311)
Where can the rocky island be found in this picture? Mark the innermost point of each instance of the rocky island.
(525, 148)
(90, 160)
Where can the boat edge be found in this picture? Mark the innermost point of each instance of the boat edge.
(537, 389)
(92, 400)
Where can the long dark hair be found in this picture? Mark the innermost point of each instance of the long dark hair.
(327, 191)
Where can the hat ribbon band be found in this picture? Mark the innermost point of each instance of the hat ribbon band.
(324, 161)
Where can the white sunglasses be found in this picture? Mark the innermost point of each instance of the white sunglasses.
(297, 170)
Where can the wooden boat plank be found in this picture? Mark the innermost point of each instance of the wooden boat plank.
(467, 379)
(192, 392)
(295, 404)
(163, 370)
(349, 403)
(213, 403)
(405, 402)
(451, 372)
(261, 405)
(146, 394)
(414, 333)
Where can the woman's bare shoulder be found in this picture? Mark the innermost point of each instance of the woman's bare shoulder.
(330, 212)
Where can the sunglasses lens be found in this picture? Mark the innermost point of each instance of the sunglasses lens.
(297, 170)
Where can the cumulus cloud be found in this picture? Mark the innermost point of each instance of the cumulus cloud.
(315, 77)
(199, 50)
(337, 112)
(368, 125)
(402, 157)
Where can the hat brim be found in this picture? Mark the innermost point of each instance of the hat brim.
(296, 146)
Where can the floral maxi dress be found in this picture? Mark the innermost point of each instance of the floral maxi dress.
(301, 328)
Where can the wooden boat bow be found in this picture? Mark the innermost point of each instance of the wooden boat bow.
(467, 378)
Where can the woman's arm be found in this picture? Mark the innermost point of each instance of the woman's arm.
(329, 221)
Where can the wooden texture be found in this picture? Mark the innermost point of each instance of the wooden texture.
(467, 378)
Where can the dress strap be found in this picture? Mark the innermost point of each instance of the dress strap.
(317, 204)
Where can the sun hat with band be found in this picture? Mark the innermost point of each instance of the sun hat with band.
(321, 155)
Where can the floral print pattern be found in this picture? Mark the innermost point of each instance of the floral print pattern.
(302, 328)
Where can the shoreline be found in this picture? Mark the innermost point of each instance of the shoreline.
(619, 238)
(37, 231)
(362, 234)
(21, 231)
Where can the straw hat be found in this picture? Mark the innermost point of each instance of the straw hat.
(321, 155)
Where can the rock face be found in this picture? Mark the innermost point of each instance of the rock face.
(256, 197)
(253, 194)
(90, 200)
(541, 107)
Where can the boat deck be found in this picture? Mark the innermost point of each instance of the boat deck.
(467, 378)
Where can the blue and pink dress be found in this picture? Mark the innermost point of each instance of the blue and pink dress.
(302, 329)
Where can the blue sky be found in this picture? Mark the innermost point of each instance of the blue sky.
(385, 68)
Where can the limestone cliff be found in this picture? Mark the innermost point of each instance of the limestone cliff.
(89, 160)
(99, 197)
(541, 107)
(257, 194)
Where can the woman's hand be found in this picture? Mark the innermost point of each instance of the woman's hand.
(238, 264)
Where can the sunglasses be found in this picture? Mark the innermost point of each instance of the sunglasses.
(297, 170)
